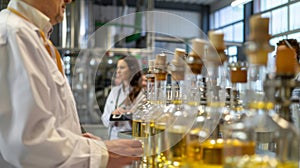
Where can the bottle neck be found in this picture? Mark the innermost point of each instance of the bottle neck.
(160, 88)
(150, 93)
(256, 77)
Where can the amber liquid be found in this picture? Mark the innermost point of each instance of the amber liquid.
(150, 78)
(161, 76)
(238, 76)
(196, 68)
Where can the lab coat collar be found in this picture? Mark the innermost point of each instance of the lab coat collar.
(33, 15)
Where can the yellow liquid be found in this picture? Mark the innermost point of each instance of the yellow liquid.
(149, 145)
(257, 161)
(238, 148)
(208, 154)
(194, 153)
(177, 146)
(212, 152)
(138, 128)
(161, 141)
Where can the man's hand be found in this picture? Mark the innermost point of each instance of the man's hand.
(123, 152)
(91, 136)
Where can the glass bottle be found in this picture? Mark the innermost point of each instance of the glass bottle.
(238, 80)
(158, 104)
(173, 147)
(138, 117)
(211, 142)
(196, 104)
(275, 139)
(176, 70)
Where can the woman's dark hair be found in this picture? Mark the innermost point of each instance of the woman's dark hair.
(294, 43)
(135, 75)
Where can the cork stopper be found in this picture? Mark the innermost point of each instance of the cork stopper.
(178, 59)
(180, 52)
(151, 64)
(178, 64)
(160, 67)
(286, 60)
(198, 46)
(216, 52)
(217, 39)
(160, 61)
(259, 29)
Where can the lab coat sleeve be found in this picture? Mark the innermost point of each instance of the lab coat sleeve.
(30, 135)
(109, 107)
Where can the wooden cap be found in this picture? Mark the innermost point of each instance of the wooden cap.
(217, 39)
(198, 46)
(160, 60)
(178, 59)
(259, 28)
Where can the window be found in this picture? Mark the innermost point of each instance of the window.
(238, 32)
(279, 21)
(263, 5)
(228, 33)
(283, 15)
(294, 16)
(232, 53)
(229, 20)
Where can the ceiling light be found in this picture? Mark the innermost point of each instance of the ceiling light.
(239, 2)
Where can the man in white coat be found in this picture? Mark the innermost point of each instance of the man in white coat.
(39, 126)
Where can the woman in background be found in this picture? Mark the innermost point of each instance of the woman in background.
(123, 96)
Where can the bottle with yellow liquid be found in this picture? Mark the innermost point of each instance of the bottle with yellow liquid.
(158, 104)
(263, 138)
(196, 104)
(177, 120)
(138, 117)
(176, 70)
(205, 143)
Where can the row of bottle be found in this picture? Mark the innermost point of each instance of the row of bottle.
(215, 114)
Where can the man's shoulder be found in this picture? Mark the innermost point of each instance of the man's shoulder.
(13, 23)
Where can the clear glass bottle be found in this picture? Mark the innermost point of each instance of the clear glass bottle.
(139, 130)
(174, 149)
(158, 104)
(176, 70)
(211, 142)
(276, 141)
(238, 79)
(196, 103)
(138, 117)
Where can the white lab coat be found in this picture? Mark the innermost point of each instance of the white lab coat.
(39, 126)
(110, 106)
